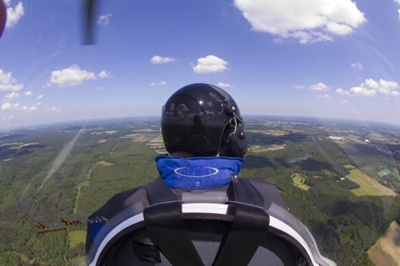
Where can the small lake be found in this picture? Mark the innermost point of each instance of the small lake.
(304, 158)
(384, 172)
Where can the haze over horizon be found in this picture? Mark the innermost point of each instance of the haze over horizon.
(331, 59)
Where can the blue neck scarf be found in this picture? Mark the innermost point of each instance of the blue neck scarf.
(197, 172)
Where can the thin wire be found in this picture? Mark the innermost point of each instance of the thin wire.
(234, 119)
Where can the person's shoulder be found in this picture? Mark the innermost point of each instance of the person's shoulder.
(127, 195)
(269, 192)
(260, 182)
(121, 200)
(263, 186)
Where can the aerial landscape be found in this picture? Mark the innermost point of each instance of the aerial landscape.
(83, 83)
(339, 177)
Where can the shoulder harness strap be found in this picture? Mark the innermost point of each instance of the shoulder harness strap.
(164, 221)
(167, 230)
(251, 223)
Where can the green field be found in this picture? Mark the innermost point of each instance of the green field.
(257, 149)
(298, 181)
(386, 250)
(76, 237)
(129, 136)
(368, 186)
(104, 163)
(78, 194)
(349, 166)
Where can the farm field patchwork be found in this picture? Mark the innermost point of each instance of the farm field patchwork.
(368, 186)
(114, 156)
(386, 250)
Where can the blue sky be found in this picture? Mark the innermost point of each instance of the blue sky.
(322, 58)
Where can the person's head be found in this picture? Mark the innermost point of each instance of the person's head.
(203, 120)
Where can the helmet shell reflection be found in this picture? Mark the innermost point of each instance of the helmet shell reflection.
(195, 118)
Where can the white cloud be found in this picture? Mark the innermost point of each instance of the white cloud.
(397, 1)
(342, 92)
(306, 21)
(70, 76)
(14, 14)
(8, 83)
(371, 87)
(104, 74)
(338, 29)
(344, 101)
(385, 87)
(319, 87)
(39, 97)
(210, 64)
(53, 110)
(399, 13)
(357, 65)
(161, 60)
(299, 87)
(11, 97)
(104, 19)
(325, 96)
(305, 37)
(38, 103)
(371, 83)
(28, 93)
(224, 85)
(357, 91)
(30, 109)
(161, 83)
(99, 89)
(362, 91)
(10, 106)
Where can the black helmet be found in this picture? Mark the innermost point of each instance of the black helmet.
(202, 119)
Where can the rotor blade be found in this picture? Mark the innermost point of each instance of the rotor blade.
(89, 16)
(3, 16)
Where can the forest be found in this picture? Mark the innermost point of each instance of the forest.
(53, 177)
